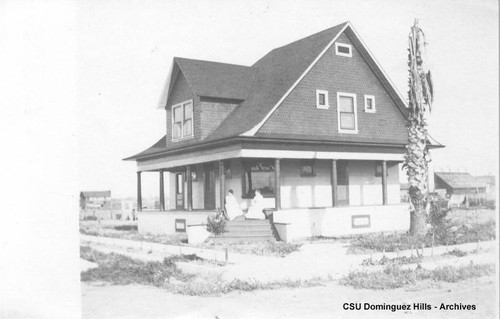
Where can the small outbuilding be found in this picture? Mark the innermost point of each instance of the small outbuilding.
(460, 187)
(95, 200)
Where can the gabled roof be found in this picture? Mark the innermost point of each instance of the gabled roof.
(277, 72)
(282, 69)
(459, 180)
(96, 194)
(263, 86)
(215, 79)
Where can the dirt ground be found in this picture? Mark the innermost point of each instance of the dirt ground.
(105, 301)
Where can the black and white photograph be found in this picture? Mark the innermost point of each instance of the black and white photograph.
(250, 159)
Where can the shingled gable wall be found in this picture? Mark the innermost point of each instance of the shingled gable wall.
(208, 113)
(298, 115)
(181, 92)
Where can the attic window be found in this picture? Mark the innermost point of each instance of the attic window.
(322, 99)
(343, 49)
(370, 104)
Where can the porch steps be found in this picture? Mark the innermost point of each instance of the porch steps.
(251, 230)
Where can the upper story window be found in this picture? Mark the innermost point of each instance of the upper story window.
(370, 104)
(343, 49)
(347, 114)
(182, 120)
(322, 99)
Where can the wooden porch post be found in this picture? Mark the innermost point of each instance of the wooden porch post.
(139, 192)
(189, 189)
(334, 184)
(222, 184)
(277, 184)
(384, 182)
(162, 192)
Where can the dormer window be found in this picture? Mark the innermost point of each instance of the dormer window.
(343, 49)
(370, 104)
(322, 99)
(182, 120)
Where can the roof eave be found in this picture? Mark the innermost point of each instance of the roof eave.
(236, 139)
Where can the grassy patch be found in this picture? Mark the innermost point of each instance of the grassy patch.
(394, 276)
(217, 286)
(454, 234)
(121, 270)
(130, 232)
(268, 248)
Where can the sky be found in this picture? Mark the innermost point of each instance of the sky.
(125, 48)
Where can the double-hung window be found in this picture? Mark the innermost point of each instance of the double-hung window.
(182, 120)
(346, 111)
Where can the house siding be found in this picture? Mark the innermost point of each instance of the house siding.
(298, 115)
(305, 192)
(181, 92)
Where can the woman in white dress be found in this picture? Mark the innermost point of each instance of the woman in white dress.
(233, 210)
(255, 210)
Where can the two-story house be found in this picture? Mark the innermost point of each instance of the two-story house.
(316, 125)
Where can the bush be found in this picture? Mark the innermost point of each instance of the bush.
(437, 217)
(216, 223)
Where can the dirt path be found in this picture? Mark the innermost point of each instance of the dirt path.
(317, 302)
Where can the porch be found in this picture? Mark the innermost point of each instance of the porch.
(284, 183)
(323, 194)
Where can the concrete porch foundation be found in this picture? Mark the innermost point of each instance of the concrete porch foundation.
(164, 222)
(300, 223)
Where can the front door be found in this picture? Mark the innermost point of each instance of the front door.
(342, 183)
(209, 187)
(179, 191)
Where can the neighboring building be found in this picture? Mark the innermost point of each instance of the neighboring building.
(489, 181)
(460, 187)
(316, 125)
(95, 200)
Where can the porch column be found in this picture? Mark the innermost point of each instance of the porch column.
(334, 184)
(277, 184)
(222, 184)
(384, 182)
(189, 189)
(162, 192)
(139, 192)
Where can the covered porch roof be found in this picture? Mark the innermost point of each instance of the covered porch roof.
(242, 147)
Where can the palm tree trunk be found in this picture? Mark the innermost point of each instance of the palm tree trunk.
(418, 221)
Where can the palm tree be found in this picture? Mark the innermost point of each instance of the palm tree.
(417, 157)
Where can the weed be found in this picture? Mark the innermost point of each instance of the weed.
(398, 260)
(456, 252)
